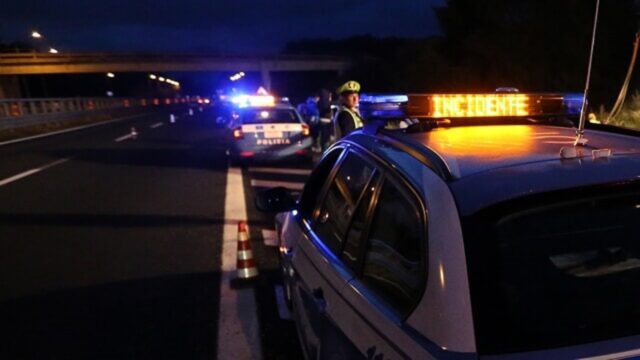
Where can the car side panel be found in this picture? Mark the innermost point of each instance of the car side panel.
(317, 290)
(444, 315)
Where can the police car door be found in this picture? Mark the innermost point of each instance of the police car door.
(390, 256)
(321, 274)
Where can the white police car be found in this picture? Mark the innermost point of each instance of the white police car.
(261, 129)
(473, 233)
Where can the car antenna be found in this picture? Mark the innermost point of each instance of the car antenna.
(580, 140)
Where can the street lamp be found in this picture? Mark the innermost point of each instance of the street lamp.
(36, 35)
(152, 76)
(53, 51)
(111, 75)
(237, 76)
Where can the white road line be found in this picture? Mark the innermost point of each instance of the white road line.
(156, 125)
(280, 170)
(270, 237)
(71, 129)
(238, 330)
(123, 138)
(270, 184)
(31, 172)
(283, 310)
(620, 355)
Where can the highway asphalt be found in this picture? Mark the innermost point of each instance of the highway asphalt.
(110, 244)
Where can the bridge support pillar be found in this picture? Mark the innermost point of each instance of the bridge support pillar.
(10, 87)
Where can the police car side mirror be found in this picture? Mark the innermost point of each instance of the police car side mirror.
(278, 199)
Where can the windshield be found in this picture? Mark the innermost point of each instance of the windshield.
(269, 116)
(557, 272)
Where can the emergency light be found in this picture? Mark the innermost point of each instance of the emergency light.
(253, 100)
(383, 106)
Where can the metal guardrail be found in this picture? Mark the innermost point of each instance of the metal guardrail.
(17, 108)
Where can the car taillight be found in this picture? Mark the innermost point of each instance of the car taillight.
(305, 130)
(237, 133)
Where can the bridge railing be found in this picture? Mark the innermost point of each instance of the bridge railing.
(16, 108)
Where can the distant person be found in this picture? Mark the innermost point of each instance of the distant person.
(302, 110)
(313, 119)
(324, 108)
(347, 118)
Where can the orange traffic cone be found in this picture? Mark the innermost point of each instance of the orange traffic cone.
(246, 264)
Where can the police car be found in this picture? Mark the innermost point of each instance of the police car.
(262, 129)
(478, 230)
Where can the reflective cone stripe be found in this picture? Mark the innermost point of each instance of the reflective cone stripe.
(244, 245)
(247, 273)
(245, 255)
(245, 264)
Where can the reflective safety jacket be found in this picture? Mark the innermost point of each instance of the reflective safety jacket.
(345, 121)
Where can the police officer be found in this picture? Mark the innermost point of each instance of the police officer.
(347, 118)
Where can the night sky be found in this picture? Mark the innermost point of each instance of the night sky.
(225, 26)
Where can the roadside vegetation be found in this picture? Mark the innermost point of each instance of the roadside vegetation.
(629, 116)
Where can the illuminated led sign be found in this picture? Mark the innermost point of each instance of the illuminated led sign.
(460, 106)
(478, 105)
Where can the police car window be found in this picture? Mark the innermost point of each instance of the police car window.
(268, 116)
(393, 267)
(557, 275)
(353, 243)
(317, 179)
(341, 200)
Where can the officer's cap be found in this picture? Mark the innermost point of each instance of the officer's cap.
(349, 87)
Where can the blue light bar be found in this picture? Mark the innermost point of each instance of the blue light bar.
(572, 103)
(383, 106)
(384, 98)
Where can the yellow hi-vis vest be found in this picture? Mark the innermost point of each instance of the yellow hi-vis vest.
(357, 121)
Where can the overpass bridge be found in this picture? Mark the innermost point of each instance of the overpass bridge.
(43, 63)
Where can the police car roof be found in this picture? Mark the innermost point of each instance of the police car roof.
(470, 150)
(487, 164)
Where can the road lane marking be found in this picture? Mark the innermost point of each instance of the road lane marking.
(156, 125)
(8, 142)
(125, 137)
(270, 237)
(283, 310)
(280, 171)
(620, 355)
(238, 330)
(24, 174)
(270, 184)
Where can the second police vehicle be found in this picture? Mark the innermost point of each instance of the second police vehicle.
(475, 229)
(262, 129)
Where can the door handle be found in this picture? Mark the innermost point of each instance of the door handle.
(319, 300)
